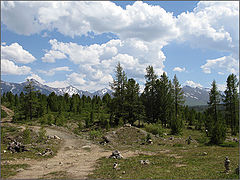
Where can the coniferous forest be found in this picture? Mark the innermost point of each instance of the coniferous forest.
(159, 106)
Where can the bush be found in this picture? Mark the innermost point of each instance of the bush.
(202, 140)
(155, 129)
(42, 134)
(219, 133)
(3, 114)
(50, 119)
(27, 136)
(229, 144)
(176, 125)
(94, 134)
(178, 145)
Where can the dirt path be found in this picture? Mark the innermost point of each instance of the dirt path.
(76, 157)
(10, 114)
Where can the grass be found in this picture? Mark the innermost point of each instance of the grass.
(56, 175)
(174, 159)
(11, 169)
(31, 140)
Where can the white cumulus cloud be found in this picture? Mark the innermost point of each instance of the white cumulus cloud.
(52, 71)
(179, 69)
(8, 67)
(52, 55)
(36, 77)
(15, 52)
(225, 64)
(193, 84)
(140, 20)
(97, 62)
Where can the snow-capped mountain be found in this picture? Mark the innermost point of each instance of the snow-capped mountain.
(102, 92)
(17, 88)
(193, 95)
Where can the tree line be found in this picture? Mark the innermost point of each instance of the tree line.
(161, 103)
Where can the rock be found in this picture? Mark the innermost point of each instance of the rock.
(86, 147)
(165, 134)
(4, 151)
(227, 164)
(145, 162)
(56, 137)
(115, 165)
(127, 125)
(235, 139)
(171, 138)
(16, 147)
(124, 172)
(204, 153)
(60, 163)
(106, 139)
(19, 170)
(116, 155)
(47, 152)
(149, 141)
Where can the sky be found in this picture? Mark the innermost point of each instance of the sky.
(79, 43)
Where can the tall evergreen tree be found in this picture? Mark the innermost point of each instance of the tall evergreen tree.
(231, 103)
(149, 95)
(164, 99)
(31, 101)
(119, 89)
(177, 123)
(132, 104)
(216, 125)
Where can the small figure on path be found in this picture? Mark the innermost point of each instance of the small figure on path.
(227, 164)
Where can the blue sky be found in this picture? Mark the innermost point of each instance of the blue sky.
(80, 43)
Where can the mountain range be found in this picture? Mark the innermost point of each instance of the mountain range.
(194, 96)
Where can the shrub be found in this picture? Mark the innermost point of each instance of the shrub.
(203, 139)
(50, 119)
(94, 134)
(148, 137)
(229, 144)
(155, 129)
(219, 133)
(27, 136)
(42, 134)
(3, 114)
(178, 145)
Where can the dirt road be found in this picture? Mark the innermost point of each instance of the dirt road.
(10, 114)
(76, 157)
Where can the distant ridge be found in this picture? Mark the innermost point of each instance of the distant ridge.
(194, 96)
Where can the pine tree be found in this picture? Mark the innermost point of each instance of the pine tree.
(132, 104)
(149, 95)
(119, 89)
(231, 103)
(216, 126)
(177, 123)
(31, 101)
(164, 98)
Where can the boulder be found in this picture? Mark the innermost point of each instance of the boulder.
(116, 155)
(16, 147)
(145, 162)
(56, 137)
(204, 153)
(127, 125)
(47, 152)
